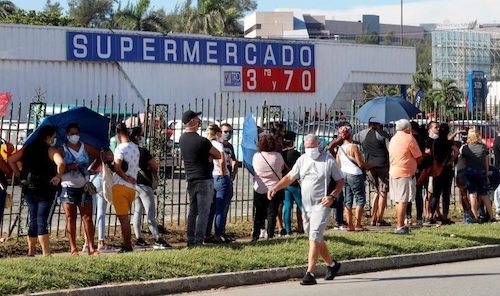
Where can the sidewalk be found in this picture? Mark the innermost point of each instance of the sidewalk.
(254, 277)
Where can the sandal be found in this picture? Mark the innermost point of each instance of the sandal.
(360, 229)
(74, 253)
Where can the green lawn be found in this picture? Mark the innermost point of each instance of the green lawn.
(22, 274)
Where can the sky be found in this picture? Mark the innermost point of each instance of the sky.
(415, 12)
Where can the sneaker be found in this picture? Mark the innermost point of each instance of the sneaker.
(419, 223)
(340, 227)
(282, 232)
(263, 233)
(210, 240)
(224, 239)
(308, 279)
(160, 244)
(331, 271)
(402, 230)
(383, 223)
(497, 217)
(447, 222)
(408, 222)
(141, 243)
(125, 249)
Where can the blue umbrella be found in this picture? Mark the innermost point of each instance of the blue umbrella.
(93, 126)
(386, 109)
(249, 142)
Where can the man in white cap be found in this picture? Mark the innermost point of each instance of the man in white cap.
(315, 168)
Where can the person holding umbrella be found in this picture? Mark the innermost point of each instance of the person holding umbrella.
(73, 195)
(43, 167)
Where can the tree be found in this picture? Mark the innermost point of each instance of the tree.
(140, 17)
(367, 38)
(90, 13)
(7, 8)
(41, 18)
(388, 38)
(373, 90)
(422, 80)
(53, 7)
(445, 97)
(219, 17)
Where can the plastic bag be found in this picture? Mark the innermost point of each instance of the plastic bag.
(107, 183)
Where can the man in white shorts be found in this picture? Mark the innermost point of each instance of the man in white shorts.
(315, 169)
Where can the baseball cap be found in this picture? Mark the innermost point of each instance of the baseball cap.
(188, 115)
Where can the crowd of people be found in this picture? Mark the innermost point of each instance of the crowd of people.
(415, 166)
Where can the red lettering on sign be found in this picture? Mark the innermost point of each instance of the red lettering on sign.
(265, 79)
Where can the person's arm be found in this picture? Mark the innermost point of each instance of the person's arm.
(57, 158)
(359, 159)
(119, 172)
(334, 143)
(13, 159)
(234, 165)
(92, 151)
(214, 153)
(222, 161)
(153, 165)
(285, 181)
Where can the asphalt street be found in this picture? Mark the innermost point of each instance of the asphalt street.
(478, 278)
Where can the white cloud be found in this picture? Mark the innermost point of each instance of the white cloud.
(429, 11)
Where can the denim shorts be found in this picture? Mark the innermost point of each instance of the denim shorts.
(476, 181)
(354, 191)
(74, 196)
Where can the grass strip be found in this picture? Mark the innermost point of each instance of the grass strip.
(24, 275)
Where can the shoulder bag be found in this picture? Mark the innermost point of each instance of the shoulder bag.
(89, 187)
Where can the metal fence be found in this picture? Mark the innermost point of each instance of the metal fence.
(162, 127)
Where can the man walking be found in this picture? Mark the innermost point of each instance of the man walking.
(375, 143)
(197, 153)
(404, 153)
(315, 168)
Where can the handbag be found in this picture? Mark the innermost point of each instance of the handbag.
(153, 180)
(89, 187)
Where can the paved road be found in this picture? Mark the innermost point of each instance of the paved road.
(478, 278)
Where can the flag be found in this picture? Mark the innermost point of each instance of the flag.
(5, 99)
(419, 97)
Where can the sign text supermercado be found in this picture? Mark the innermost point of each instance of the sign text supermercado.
(253, 56)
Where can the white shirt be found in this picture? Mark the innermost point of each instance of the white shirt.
(217, 168)
(130, 153)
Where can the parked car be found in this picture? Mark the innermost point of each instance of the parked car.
(325, 130)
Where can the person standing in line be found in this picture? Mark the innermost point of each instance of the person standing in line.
(352, 165)
(42, 170)
(404, 155)
(278, 131)
(375, 143)
(231, 161)
(420, 135)
(292, 191)
(197, 153)
(315, 169)
(476, 159)
(73, 195)
(125, 178)
(268, 166)
(145, 198)
(223, 188)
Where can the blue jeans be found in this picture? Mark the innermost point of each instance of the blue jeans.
(218, 215)
(292, 193)
(354, 191)
(201, 194)
(38, 210)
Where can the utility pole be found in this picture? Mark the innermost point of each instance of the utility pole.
(401, 28)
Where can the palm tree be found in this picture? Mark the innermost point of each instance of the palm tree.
(209, 18)
(139, 17)
(6, 8)
(447, 96)
(422, 80)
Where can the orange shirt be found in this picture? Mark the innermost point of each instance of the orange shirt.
(403, 154)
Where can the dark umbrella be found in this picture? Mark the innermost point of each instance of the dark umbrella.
(93, 126)
(386, 109)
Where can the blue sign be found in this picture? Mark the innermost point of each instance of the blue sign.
(104, 47)
(478, 91)
(232, 78)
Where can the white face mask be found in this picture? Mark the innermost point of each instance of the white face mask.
(433, 136)
(53, 143)
(313, 152)
(73, 139)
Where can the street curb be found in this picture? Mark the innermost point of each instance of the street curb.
(255, 277)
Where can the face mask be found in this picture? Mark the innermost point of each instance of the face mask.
(73, 139)
(142, 142)
(53, 143)
(313, 152)
(227, 136)
(433, 136)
